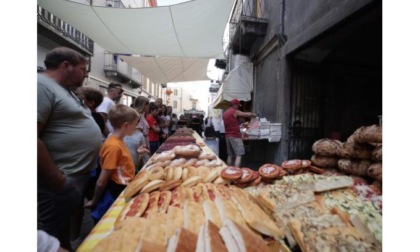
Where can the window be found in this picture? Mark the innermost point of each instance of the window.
(175, 105)
(175, 92)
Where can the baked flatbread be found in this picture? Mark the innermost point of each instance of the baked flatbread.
(254, 216)
(307, 226)
(193, 216)
(182, 241)
(175, 219)
(156, 229)
(280, 197)
(340, 240)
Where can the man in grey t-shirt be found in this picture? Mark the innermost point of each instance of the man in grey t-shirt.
(68, 142)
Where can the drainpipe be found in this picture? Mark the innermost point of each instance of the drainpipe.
(282, 17)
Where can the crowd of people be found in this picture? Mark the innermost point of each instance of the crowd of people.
(90, 147)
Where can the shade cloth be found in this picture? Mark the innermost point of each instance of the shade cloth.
(170, 69)
(181, 38)
(238, 84)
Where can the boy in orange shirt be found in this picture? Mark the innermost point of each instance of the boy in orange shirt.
(117, 165)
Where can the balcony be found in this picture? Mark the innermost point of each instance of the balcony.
(116, 67)
(249, 29)
(63, 33)
(246, 26)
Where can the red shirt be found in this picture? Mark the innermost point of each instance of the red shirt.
(153, 136)
(231, 124)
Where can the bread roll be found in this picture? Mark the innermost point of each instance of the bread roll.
(356, 150)
(375, 171)
(368, 134)
(354, 166)
(377, 153)
(322, 161)
(327, 147)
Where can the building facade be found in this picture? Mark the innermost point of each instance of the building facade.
(189, 97)
(104, 66)
(317, 69)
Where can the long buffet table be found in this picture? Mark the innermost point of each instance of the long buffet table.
(106, 225)
(357, 205)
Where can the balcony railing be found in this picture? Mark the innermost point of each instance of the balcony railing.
(246, 25)
(114, 66)
(67, 31)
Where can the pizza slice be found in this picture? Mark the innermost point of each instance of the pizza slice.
(175, 219)
(211, 213)
(308, 210)
(125, 239)
(147, 246)
(156, 229)
(238, 238)
(182, 241)
(340, 239)
(222, 191)
(254, 216)
(209, 238)
(347, 201)
(305, 227)
(228, 210)
(280, 197)
(325, 183)
(193, 216)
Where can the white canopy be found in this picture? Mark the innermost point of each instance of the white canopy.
(192, 29)
(170, 69)
(238, 84)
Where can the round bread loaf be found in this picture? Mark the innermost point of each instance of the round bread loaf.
(356, 150)
(375, 171)
(269, 171)
(231, 173)
(327, 162)
(327, 147)
(292, 164)
(354, 166)
(377, 153)
(247, 175)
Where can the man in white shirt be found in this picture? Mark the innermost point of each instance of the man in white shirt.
(115, 92)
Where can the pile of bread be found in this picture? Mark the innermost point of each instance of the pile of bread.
(360, 155)
(182, 166)
(210, 217)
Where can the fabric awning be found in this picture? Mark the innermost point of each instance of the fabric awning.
(170, 69)
(183, 31)
(238, 84)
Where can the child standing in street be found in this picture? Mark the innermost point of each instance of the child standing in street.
(116, 162)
